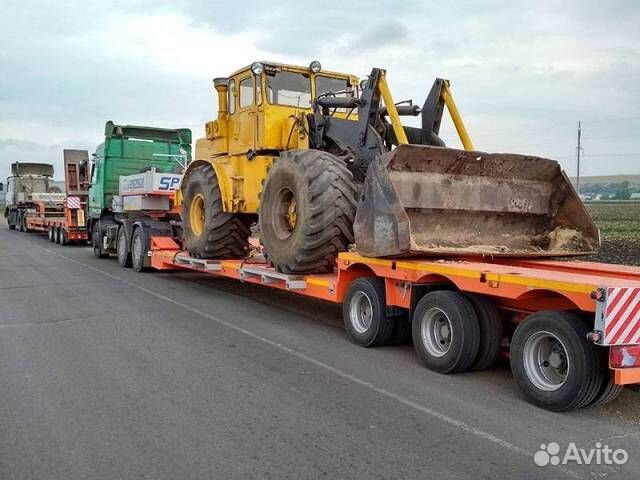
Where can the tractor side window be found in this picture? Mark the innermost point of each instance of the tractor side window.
(246, 92)
(289, 88)
(232, 96)
(328, 84)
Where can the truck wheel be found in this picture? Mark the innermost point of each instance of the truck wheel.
(96, 240)
(63, 236)
(122, 249)
(209, 232)
(553, 362)
(307, 209)
(139, 249)
(364, 313)
(446, 332)
(50, 233)
(56, 235)
(491, 329)
(608, 392)
(19, 222)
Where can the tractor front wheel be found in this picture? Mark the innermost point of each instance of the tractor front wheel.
(307, 210)
(209, 232)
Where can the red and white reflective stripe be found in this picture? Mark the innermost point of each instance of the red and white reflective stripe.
(622, 316)
(73, 202)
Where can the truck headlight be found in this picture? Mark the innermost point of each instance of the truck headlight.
(315, 66)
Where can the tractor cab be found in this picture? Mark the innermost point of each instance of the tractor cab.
(261, 106)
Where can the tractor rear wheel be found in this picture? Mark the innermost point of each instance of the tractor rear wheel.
(209, 232)
(307, 210)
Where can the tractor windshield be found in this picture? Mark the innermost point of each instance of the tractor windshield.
(289, 88)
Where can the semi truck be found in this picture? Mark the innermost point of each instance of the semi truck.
(135, 171)
(31, 192)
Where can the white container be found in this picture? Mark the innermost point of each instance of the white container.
(149, 183)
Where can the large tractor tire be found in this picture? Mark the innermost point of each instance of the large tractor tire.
(209, 232)
(307, 210)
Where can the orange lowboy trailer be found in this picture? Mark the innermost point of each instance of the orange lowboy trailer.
(570, 329)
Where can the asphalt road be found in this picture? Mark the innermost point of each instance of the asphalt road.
(110, 374)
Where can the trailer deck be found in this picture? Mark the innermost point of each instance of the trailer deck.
(517, 286)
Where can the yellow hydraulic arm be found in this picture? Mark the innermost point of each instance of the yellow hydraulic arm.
(447, 98)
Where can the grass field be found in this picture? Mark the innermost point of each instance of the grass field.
(619, 224)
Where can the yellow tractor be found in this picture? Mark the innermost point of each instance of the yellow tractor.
(320, 161)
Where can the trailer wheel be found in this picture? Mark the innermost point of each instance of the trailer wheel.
(446, 332)
(63, 237)
(553, 362)
(122, 249)
(490, 331)
(50, 233)
(19, 222)
(96, 240)
(364, 313)
(56, 235)
(608, 392)
(139, 249)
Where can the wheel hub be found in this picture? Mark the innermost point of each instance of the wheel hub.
(285, 214)
(436, 332)
(546, 361)
(361, 312)
(196, 214)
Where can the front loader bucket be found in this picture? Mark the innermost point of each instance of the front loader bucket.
(422, 200)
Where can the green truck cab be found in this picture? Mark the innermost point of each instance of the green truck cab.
(129, 150)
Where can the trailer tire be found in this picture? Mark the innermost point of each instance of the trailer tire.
(63, 237)
(209, 232)
(19, 221)
(56, 235)
(364, 313)
(122, 248)
(446, 332)
(307, 210)
(96, 241)
(401, 332)
(491, 329)
(608, 391)
(546, 338)
(50, 233)
(139, 249)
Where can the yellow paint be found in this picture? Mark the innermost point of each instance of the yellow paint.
(541, 283)
(458, 271)
(455, 116)
(258, 126)
(196, 214)
(317, 281)
(396, 124)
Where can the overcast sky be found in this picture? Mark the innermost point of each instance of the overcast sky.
(523, 73)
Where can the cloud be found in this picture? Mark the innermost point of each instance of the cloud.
(523, 73)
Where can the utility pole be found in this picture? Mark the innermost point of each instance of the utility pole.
(578, 150)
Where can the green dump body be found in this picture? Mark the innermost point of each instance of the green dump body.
(129, 149)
